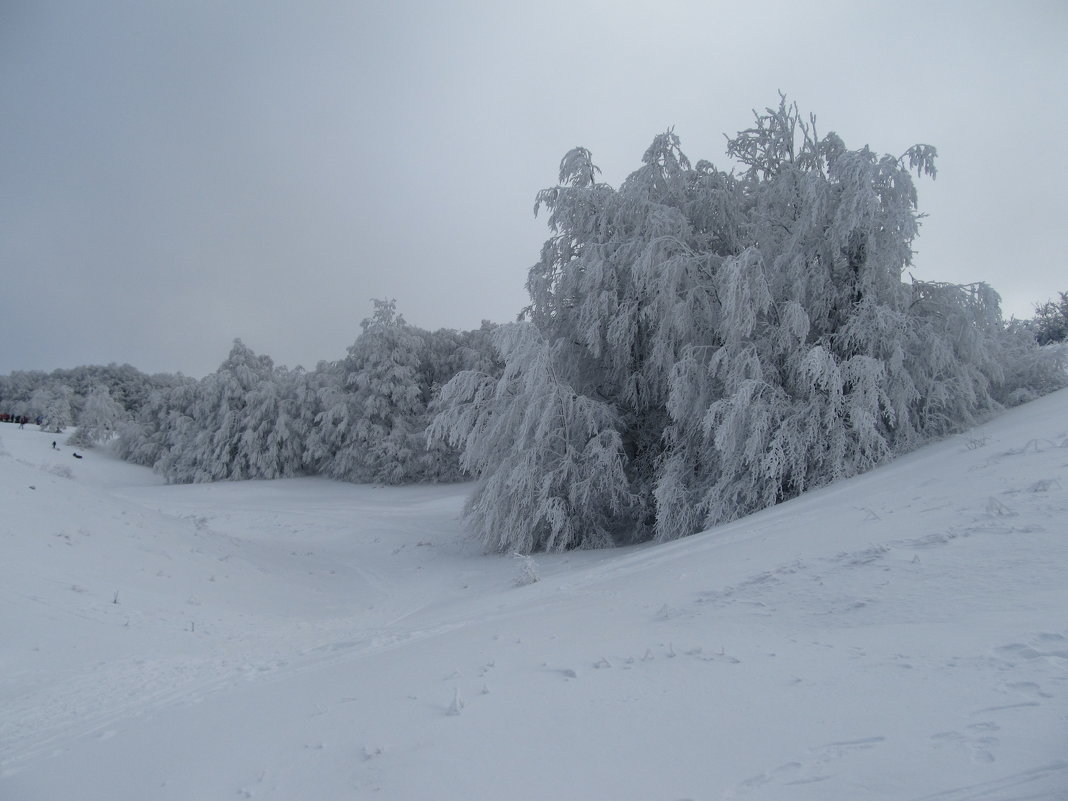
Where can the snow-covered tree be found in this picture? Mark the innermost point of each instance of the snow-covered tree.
(142, 440)
(622, 288)
(391, 403)
(550, 459)
(806, 380)
(376, 403)
(1051, 320)
(272, 439)
(742, 336)
(53, 406)
(331, 429)
(99, 419)
(236, 423)
(449, 352)
(373, 412)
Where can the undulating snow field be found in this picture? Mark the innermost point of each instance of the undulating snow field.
(903, 635)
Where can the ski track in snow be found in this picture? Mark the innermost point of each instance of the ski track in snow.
(902, 578)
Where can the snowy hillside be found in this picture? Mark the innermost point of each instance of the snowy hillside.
(902, 635)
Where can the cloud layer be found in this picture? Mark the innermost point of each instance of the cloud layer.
(175, 176)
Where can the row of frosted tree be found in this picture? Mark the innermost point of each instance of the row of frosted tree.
(361, 419)
(699, 344)
(96, 398)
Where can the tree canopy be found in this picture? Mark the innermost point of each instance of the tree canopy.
(721, 341)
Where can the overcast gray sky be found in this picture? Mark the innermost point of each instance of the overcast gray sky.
(177, 174)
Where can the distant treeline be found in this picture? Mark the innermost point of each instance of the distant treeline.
(362, 418)
(60, 398)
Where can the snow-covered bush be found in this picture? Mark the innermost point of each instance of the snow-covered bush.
(528, 570)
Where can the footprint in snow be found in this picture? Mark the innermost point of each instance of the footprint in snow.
(977, 741)
(567, 673)
(1029, 688)
(796, 773)
(780, 774)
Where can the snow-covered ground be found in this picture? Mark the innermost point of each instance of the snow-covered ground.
(902, 635)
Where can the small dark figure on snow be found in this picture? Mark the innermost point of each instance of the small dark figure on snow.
(54, 446)
(77, 456)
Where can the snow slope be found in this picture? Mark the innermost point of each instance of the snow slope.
(902, 635)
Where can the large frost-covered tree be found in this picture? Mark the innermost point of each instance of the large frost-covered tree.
(622, 288)
(744, 336)
(807, 379)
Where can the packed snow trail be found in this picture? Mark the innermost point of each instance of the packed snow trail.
(901, 635)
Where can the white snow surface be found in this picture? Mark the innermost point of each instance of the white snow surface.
(901, 635)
